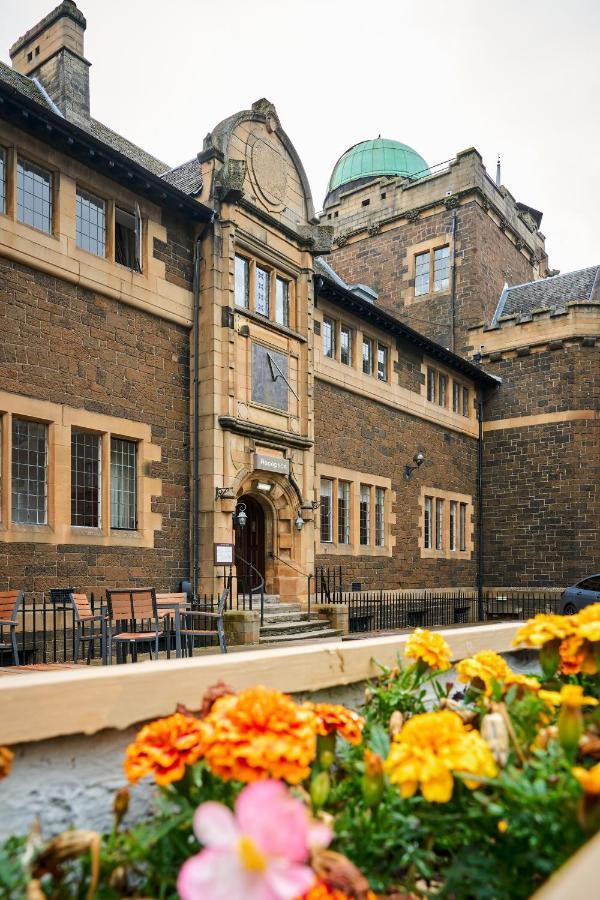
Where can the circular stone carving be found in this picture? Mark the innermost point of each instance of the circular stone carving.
(243, 410)
(268, 170)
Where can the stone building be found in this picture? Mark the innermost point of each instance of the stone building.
(181, 345)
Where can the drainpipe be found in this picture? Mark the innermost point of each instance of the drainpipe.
(453, 294)
(480, 571)
(195, 531)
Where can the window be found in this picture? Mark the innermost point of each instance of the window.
(367, 356)
(442, 389)
(453, 508)
(91, 223)
(379, 517)
(431, 379)
(329, 338)
(242, 282)
(439, 524)
(382, 362)
(462, 527)
(29, 472)
(128, 239)
(282, 301)
(343, 512)
(261, 291)
(85, 479)
(456, 389)
(2, 181)
(427, 523)
(365, 515)
(326, 510)
(441, 264)
(346, 345)
(465, 401)
(34, 196)
(421, 274)
(123, 484)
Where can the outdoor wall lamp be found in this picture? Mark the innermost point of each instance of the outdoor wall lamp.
(225, 493)
(299, 523)
(418, 460)
(239, 515)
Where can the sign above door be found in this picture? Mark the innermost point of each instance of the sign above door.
(271, 464)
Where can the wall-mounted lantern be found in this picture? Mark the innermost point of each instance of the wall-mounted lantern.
(418, 460)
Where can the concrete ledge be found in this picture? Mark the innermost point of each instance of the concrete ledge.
(47, 705)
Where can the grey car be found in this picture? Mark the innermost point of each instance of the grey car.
(579, 595)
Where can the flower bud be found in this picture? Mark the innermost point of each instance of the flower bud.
(372, 782)
(120, 805)
(495, 734)
(550, 658)
(326, 750)
(396, 722)
(319, 790)
(570, 728)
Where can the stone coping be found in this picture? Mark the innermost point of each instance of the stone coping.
(88, 700)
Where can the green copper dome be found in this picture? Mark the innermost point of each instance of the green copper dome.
(379, 157)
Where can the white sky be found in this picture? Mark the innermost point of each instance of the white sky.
(519, 77)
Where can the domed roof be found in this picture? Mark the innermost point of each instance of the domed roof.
(378, 157)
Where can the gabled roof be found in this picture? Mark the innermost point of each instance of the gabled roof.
(330, 286)
(549, 293)
(187, 177)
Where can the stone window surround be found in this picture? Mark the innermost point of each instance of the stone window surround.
(60, 420)
(356, 348)
(274, 272)
(451, 378)
(445, 552)
(435, 243)
(355, 479)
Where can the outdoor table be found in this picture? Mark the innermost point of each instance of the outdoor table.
(176, 607)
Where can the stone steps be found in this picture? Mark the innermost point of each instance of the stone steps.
(325, 634)
(286, 622)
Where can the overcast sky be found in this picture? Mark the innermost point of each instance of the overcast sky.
(519, 77)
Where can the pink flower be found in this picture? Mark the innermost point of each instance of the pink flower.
(258, 853)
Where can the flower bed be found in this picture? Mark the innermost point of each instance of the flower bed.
(476, 789)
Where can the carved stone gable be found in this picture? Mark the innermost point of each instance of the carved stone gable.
(268, 169)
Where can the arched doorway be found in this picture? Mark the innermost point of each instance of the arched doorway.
(250, 544)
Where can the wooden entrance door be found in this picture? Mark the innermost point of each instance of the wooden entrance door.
(250, 544)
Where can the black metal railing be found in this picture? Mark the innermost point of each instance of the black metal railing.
(250, 586)
(328, 586)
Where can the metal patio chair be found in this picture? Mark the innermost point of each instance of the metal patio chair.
(10, 604)
(132, 606)
(83, 616)
(189, 632)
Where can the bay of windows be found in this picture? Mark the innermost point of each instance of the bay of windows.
(445, 523)
(352, 514)
(437, 384)
(263, 290)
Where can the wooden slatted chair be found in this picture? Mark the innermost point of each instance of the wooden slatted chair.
(132, 605)
(84, 615)
(10, 604)
(189, 631)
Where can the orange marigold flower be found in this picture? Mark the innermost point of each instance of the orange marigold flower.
(544, 628)
(428, 647)
(164, 748)
(6, 758)
(572, 655)
(589, 779)
(331, 717)
(260, 733)
(322, 891)
(488, 667)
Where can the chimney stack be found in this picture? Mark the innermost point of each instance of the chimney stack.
(52, 53)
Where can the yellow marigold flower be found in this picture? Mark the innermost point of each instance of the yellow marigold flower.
(589, 613)
(589, 779)
(260, 733)
(487, 667)
(430, 748)
(544, 628)
(428, 647)
(331, 717)
(6, 759)
(164, 748)
(502, 826)
(570, 695)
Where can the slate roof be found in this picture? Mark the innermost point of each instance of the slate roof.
(186, 177)
(549, 293)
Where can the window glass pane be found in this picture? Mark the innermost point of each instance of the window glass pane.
(462, 537)
(441, 269)
(125, 238)
(465, 401)
(421, 274)
(365, 514)
(343, 512)
(329, 337)
(29, 472)
(282, 301)
(123, 484)
(439, 524)
(455, 396)
(431, 379)
(382, 362)
(91, 223)
(346, 345)
(85, 479)
(427, 524)
(34, 196)
(367, 356)
(453, 508)
(242, 285)
(261, 291)
(2, 181)
(379, 517)
(442, 389)
(326, 510)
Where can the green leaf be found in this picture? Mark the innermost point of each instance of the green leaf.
(379, 741)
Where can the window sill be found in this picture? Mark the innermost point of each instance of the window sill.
(333, 549)
(265, 321)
